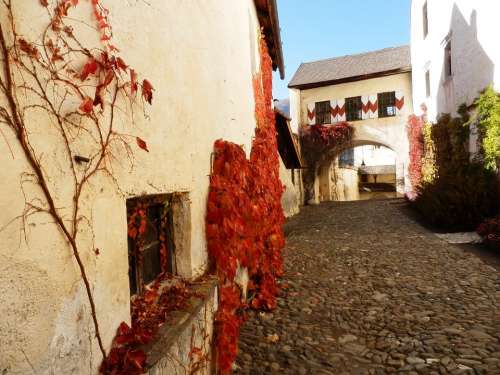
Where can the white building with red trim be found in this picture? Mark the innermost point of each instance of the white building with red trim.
(372, 91)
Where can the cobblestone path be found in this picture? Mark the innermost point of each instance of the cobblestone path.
(367, 290)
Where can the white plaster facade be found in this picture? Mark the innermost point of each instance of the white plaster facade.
(200, 57)
(472, 29)
(387, 131)
(291, 196)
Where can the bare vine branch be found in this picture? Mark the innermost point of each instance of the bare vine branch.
(51, 82)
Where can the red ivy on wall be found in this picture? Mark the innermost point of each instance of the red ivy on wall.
(416, 140)
(245, 218)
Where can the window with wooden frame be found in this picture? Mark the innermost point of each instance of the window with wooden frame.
(425, 19)
(323, 113)
(150, 239)
(353, 108)
(386, 104)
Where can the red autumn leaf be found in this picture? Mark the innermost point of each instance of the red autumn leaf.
(123, 328)
(121, 64)
(125, 339)
(89, 68)
(112, 48)
(142, 144)
(110, 75)
(44, 3)
(74, 2)
(195, 351)
(147, 91)
(133, 81)
(98, 97)
(62, 9)
(28, 48)
(137, 358)
(105, 38)
(87, 105)
(150, 296)
(103, 24)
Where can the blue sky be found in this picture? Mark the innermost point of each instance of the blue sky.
(318, 29)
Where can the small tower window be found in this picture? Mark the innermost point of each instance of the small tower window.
(428, 83)
(425, 18)
(447, 60)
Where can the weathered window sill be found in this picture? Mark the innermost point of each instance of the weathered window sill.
(184, 341)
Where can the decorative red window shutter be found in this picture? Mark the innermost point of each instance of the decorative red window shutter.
(341, 110)
(311, 113)
(373, 101)
(333, 110)
(365, 101)
(400, 102)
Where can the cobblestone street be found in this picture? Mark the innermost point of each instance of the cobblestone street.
(367, 290)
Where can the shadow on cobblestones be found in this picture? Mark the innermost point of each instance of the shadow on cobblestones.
(367, 290)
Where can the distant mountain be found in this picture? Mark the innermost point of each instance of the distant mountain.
(283, 105)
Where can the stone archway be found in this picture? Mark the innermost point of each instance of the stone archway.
(393, 137)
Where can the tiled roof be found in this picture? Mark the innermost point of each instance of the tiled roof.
(348, 67)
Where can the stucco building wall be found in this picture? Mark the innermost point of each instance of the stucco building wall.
(472, 28)
(291, 196)
(200, 57)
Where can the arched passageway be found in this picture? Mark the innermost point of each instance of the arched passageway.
(337, 184)
(359, 173)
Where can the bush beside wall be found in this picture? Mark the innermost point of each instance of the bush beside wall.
(452, 192)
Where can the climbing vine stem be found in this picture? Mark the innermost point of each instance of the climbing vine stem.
(73, 90)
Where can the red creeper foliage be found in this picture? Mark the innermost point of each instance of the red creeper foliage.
(416, 139)
(245, 218)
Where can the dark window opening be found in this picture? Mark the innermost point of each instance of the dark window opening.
(150, 240)
(323, 113)
(387, 104)
(425, 19)
(447, 60)
(346, 158)
(428, 83)
(354, 108)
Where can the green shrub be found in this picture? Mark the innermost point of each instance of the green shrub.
(450, 138)
(459, 199)
(488, 109)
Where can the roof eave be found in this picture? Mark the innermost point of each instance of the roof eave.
(311, 85)
(284, 128)
(267, 11)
